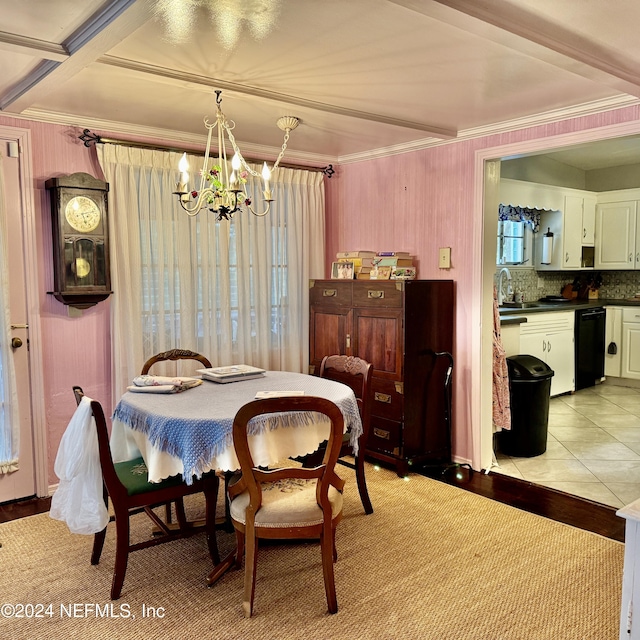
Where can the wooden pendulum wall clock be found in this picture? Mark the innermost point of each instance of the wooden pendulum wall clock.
(80, 239)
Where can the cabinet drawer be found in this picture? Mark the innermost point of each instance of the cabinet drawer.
(631, 314)
(378, 293)
(387, 401)
(385, 435)
(330, 292)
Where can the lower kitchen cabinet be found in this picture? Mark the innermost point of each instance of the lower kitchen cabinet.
(400, 326)
(550, 337)
(630, 360)
(613, 342)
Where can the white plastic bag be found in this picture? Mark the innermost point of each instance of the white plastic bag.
(78, 500)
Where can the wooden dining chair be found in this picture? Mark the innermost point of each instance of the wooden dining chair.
(356, 373)
(127, 484)
(174, 354)
(286, 503)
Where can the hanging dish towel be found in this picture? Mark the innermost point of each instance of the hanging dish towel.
(501, 400)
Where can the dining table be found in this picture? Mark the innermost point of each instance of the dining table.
(190, 432)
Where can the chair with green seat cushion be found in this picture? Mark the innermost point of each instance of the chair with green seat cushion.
(127, 484)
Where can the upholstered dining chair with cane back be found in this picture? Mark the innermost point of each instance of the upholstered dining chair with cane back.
(127, 485)
(356, 373)
(309, 507)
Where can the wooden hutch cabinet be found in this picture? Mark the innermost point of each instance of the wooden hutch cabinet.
(398, 326)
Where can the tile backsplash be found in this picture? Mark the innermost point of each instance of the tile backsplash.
(615, 284)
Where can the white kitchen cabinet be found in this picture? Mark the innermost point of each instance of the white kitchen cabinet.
(589, 220)
(613, 343)
(510, 334)
(631, 343)
(550, 337)
(573, 230)
(617, 246)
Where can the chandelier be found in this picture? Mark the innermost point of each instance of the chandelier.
(221, 191)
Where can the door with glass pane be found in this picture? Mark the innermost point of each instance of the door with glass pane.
(20, 483)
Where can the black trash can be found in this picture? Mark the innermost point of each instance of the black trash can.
(530, 388)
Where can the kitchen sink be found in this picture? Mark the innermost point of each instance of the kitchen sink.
(520, 305)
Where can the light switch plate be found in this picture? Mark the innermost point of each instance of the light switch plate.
(444, 261)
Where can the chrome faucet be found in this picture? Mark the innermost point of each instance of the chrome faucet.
(501, 294)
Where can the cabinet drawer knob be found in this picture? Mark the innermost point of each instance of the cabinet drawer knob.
(329, 293)
(378, 295)
(382, 397)
(381, 433)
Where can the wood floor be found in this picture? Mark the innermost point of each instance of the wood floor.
(577, 512)
(543, 501)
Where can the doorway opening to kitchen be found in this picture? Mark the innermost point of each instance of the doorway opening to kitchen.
(584, 447)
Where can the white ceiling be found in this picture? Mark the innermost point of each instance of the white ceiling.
(366, 77)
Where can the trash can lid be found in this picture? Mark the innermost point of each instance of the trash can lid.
(526, 367)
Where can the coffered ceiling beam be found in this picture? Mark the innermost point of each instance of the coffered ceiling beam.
(107, 28)
(181, 78)
(531, 34)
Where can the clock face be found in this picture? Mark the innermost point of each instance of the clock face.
(82, 214)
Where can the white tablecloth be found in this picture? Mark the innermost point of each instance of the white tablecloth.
(190, 433)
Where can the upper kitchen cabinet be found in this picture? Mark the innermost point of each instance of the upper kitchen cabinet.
(617, 230)
(573, 229)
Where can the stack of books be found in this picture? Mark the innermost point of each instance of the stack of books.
(361, 261)
(233, 373)
(394, 265)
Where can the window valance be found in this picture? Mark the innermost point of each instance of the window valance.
(520, 214)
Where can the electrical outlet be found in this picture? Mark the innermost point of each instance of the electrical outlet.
(540, 283)
(444, 261)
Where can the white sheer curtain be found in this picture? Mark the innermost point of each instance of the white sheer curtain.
(9, 418)
(235, 291)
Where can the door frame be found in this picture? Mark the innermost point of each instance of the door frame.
(31, 253)
(485, 193)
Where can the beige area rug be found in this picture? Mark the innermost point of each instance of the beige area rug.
(432, 562)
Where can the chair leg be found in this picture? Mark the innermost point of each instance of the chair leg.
(211, 487)
(327, 547)
(362, 485)
(98, 543)
(98, 539)
(239, 548)
(122, 554)
(181, 516)
(250, 564)
(168, 517)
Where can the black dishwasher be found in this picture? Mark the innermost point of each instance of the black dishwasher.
(590, 326)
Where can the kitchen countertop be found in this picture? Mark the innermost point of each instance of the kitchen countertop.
(510, 315)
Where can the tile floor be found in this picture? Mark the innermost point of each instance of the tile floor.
(593, 446)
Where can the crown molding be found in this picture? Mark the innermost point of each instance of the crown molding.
(181, 138)
(112, 128)
(555, 115)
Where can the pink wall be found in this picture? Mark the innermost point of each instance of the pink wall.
(75, 350)
(416, 202)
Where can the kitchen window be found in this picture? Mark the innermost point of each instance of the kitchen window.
(516, 226)
(515, 244)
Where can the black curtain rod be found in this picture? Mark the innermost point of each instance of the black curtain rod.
(89, 138)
